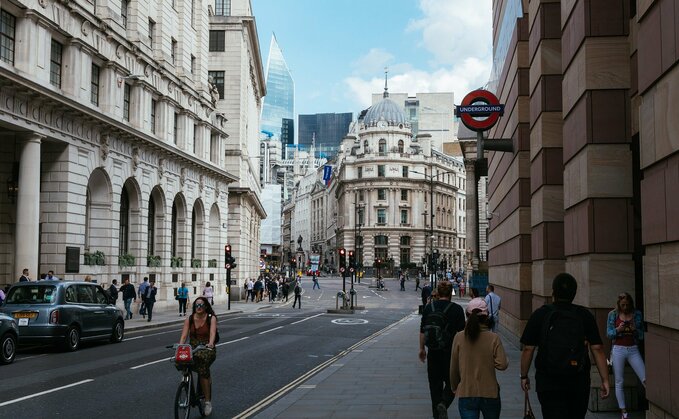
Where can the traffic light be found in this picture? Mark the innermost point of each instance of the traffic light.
(342, 258)
(227, 256)
(352, 259)
(229, 260)
(293, 263)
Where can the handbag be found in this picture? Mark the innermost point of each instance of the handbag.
(176, 297)
(527, 410)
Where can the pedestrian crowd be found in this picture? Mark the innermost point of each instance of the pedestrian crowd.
(463, 352)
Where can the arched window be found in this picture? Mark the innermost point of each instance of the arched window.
(151, 227)
(124, 223)
(382, 146)
(365, 146)
(381, 247)
(173, 244)
(400, 146)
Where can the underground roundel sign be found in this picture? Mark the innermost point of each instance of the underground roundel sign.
(480, 110)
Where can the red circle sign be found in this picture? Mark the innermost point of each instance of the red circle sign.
(342, 269)
(480, 103)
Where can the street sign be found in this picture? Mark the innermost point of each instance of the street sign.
(480, 110)
(341, 269)
(351, 270)
(228, 266)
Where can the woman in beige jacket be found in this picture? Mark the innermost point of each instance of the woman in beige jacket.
(477, 353)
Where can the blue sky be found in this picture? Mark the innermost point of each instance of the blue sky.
(337, 49)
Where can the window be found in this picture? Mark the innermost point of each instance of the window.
(404, 216)
(217, 78)
(154, 104)
(175, 224)
(365, 146)
(173, 52)
(404, 194)
(94, 85)
(381, 247)
(151, 228)
(214, 149)
(380, 170)
(382, 148)
(7, 29)
(400, 146)
(404, 171)
(381, 194)
(123, 12)
(223, 7)
(126, 102)
(196, 149)
(176, 128)
(99, 296)
(361, 218)
(360, 172)
(360, 196)
(193, 13)
(152, 32)
(217, 41)
(193, 233)
(85, 294)
(193, 65)
(405, 250)
(381, 216)
(124, 222)
(55, 63)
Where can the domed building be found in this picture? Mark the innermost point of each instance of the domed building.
(387, 185)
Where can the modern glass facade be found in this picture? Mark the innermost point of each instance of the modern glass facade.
(279, 102)
(329, 128)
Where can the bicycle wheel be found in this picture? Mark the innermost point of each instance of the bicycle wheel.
(199, 397)
(182, 401)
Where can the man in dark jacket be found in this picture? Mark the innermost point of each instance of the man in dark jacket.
(150, 299)
(129, 294)
(298, 295)
(113, 291)
(438, 360)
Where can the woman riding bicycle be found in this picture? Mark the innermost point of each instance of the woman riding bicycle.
(201, 328)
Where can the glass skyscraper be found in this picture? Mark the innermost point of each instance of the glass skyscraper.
(329, 129)
(279, 102)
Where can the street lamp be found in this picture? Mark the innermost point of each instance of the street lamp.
(358, 209)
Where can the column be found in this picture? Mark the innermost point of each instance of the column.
(28, 208)
(471, 210)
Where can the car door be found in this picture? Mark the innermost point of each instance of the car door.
(88, 309)
(106, 313)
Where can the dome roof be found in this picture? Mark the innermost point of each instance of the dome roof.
(386, 110)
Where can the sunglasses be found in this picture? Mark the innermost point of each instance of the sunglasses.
(200, 305)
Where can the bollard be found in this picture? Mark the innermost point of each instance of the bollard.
(354, 301)
(344, 300)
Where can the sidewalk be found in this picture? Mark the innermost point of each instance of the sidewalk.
(384, 378)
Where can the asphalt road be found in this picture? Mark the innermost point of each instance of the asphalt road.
(258, 354)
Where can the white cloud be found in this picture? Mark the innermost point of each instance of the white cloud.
(457, 33)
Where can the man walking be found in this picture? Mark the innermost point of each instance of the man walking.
(441, 319)
(315, 279)
(113, 291)
(150, 299)
(562, 331)
(426, 293)
(298, 295)
(142, 294)
(128, 295)
(493, 302)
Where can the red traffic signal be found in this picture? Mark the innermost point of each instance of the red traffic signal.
(227, 257)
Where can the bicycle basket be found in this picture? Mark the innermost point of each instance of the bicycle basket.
(183, 355)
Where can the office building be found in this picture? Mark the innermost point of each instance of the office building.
(325, 131)
(279, 102)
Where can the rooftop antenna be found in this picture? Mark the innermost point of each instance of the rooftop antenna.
(386, 88)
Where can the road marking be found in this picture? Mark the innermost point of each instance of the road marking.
(151, 363)
(349, 321)
(307, 318)
(312, 356)
(134, 338)
(232, 341)
(45, 392)
(271, 330)
(307, 386)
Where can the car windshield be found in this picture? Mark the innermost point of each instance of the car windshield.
(31, 294)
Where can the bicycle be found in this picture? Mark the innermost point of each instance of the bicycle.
(189, 393)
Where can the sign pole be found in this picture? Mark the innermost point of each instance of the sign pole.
(228, 285)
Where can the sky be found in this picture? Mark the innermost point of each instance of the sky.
(337, 49)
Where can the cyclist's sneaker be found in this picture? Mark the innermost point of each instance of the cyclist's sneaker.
(208, 408)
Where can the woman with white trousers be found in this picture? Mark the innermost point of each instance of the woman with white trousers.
(625, 329)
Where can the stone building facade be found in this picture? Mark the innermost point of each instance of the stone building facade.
(112, 146)
(590, 90)
(383, 183)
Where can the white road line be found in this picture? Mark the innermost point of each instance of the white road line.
(134, 338)
(271, 330)
(45, 392)
(307, 318)
(151, 363)
(232, 341)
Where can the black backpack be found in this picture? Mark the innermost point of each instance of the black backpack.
(209, 318)
(436, 334)
(562, 347)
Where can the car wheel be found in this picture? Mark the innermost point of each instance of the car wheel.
(72, 339)
(118, 332)
(8, 348)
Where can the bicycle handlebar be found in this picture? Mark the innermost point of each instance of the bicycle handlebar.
(200, 347)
